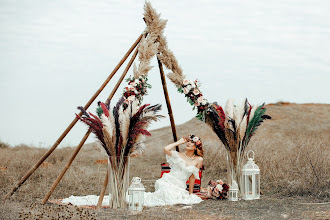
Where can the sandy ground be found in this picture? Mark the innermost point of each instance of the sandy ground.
(268, 207)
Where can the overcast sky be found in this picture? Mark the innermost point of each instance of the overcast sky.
(54, 55)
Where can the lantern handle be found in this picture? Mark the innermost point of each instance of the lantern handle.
(136, 180)
(247, 155)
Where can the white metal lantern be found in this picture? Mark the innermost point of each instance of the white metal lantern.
(136, 194)
(233, 192)
(250, 182)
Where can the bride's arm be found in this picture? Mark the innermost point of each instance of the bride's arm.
(192, 177)
(191, 183)
(168, 148)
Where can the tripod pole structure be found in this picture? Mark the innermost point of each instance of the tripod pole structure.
(67, 130)
(168, 103)
(88, 133)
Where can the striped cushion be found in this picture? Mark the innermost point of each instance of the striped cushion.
(197, 186)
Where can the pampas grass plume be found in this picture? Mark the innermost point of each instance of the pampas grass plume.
(229, 108)
(254, 108)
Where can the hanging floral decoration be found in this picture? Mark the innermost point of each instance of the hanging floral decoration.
(194, 96)
(136, 89)
(188, 87)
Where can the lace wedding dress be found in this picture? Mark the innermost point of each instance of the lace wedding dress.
(171, 188)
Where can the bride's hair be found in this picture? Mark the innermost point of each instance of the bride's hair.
(199, 149)
(198, 143)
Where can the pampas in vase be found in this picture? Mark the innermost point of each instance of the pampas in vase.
(121, 133)
(235, 125)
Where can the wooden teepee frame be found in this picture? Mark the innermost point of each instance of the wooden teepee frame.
(68, 129)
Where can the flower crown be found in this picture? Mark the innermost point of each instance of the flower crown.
(195, 139)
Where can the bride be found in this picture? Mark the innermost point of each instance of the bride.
(171, 188)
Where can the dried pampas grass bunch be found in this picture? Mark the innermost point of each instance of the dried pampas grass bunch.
(235, 125)
(165, 55)
(121, 132)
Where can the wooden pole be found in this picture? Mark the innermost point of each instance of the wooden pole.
(67, 130)
(123, 75)
(168, 103)
(88, 133)
(105, 184)
(66, 167)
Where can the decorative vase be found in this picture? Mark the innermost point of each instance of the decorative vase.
(234, 167)
(118, 181)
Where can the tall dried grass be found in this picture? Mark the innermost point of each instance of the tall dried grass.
(83, 177)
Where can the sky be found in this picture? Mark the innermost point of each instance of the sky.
(54, 55)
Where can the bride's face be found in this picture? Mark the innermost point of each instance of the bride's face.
(190, 146)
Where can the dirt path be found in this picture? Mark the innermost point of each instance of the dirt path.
(265, 208)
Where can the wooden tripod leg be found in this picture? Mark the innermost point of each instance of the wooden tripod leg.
(66, 168)
(105, 184)
(87, 134)
(168, 103)
(124, 74)
(67, 130)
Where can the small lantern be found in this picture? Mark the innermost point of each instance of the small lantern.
(250, 179)
(233, 192)
(136, 194)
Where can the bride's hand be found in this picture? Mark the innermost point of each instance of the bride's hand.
(183, 140)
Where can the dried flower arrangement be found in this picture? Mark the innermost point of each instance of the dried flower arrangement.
(217, 190)
(235, 126)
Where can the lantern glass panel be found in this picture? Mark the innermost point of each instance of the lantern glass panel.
(249, 182)
(257, 184)
(243, 185)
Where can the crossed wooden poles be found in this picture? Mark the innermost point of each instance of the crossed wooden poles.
(68, 129)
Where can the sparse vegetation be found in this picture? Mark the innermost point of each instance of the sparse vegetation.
(4, 145)
(292, 151)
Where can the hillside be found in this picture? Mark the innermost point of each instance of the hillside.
(292, 150)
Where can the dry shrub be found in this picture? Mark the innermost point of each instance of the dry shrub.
(4, 144)
(296, 165)
(214, 161)
(291, 165)
(82, 178)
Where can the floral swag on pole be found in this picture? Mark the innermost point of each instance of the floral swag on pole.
(194, 96)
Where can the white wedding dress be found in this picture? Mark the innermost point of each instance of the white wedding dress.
(171, 188)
